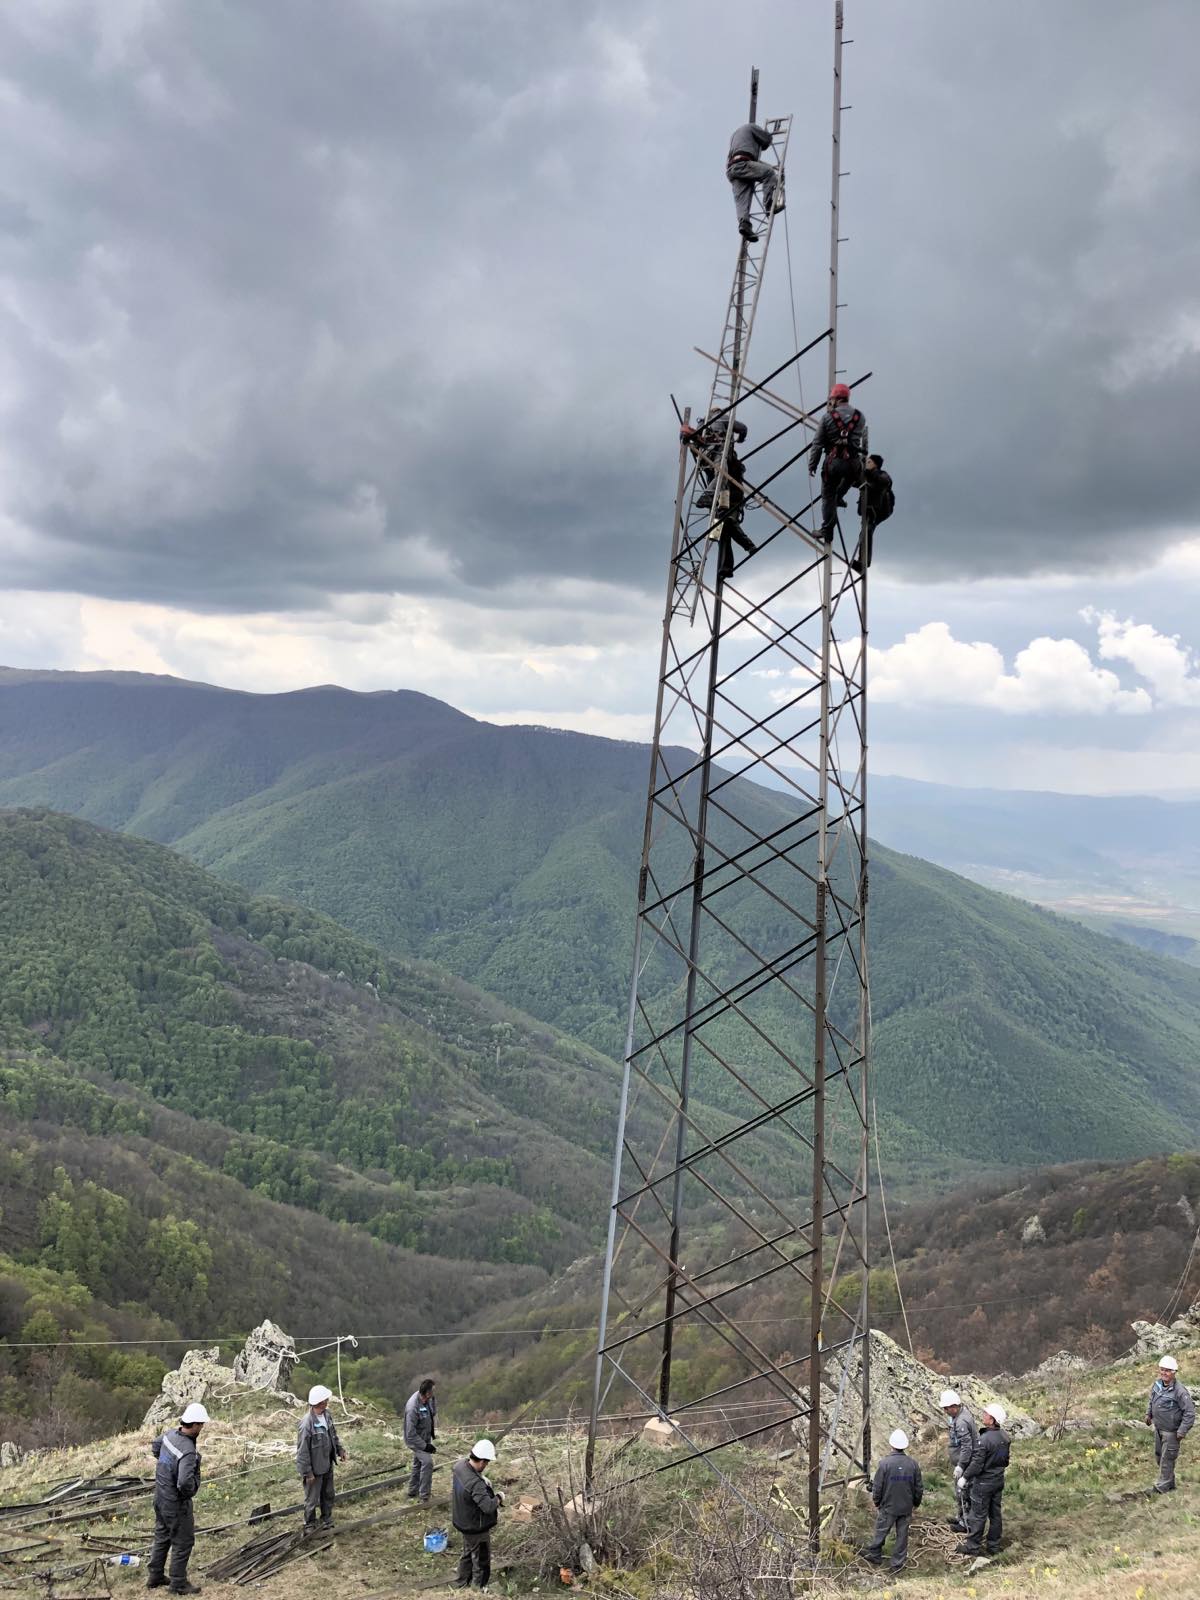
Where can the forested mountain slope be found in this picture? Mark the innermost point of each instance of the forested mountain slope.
(509, 855)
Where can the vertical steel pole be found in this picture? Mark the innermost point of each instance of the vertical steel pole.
(835, 192)
(864, 1023)
(820, 1001)
(631, 1016)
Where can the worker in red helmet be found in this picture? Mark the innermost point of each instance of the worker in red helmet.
(842, 440)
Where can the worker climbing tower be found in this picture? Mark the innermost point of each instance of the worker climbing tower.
(735, 1288)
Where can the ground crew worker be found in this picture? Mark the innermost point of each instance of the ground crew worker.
(476, 1510)
(1171, 1411)
(876, 502)
(984, 1475)
(842, 440)
(176, 1480)
(897, 1491)
(961, 1444)
(420, 1426)
(744, 169)
(317, 1448)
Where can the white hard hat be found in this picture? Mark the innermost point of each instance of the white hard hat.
(997, 1413)
(1169, 1364)
(483, 1450)
(318, 1393)
(898, 1440)
(194, 1413)
(949, 1398)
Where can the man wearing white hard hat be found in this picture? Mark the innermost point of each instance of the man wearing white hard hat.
(176, 1480)
(1173, 1415)
(475, 1513)
(961, 1442)
(984, 1474)
(897, 1491)
(317, 1448)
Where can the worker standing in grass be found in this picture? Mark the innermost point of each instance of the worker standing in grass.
(476, 1512)
(961, 1442)
(420, 1426)
(984, 1475)
(897, 1491)
(1173, 1416)
(176, 1480)
(317, 1448)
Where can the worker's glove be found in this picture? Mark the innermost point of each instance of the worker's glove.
(958, 1474)
(500, 1495)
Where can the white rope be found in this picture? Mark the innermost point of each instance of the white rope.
(887, 1225)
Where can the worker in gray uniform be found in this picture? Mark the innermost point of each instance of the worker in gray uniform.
(420, 1426)
(176, 1480)
(317, 1448)
(897, 1491)
(842, 440)
(475, 1512)
(961, 1444)
(984, 1475)
(745, 169)
(1173, 1415)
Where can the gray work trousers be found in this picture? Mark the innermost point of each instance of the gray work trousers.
(475, 1561)
(839, 475)
(1166, 1453)
(986, 1511)
(174, 1530)
(885, 1521)
(318, 1496)
(420, 1482)
(743, 175)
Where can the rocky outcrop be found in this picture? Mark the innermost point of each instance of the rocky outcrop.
(904, 1394)
(200, 1376)
(1062, 1364)
(1032, 1231)
(10, 1454)
(267, 1359)
(1155, 1338)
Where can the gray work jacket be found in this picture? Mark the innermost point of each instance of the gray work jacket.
(317, 1448)
(988, 1459)
(749, 140)
(177, 1475)
(898, 1486)
(963, 1437)
(420, 1421)
(1171, 1410)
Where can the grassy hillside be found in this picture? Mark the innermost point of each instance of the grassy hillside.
(508, 854)
(1069, 1531)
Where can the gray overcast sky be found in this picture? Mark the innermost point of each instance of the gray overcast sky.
(337, 339)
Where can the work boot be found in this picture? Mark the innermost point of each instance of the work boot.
(966, 1549)
(705, 499)
(185, 1588)
(155, 1580)
(747, 232)
(1163, 1488)
(872, 1557)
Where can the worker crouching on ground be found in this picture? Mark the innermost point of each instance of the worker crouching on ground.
(897, 1491)
(476, 1512)
(1173, 1415)
(420, 1426)
(984, 1476)
(176, 1480)
(317, 1448)
(842, 440)
(961, 1443)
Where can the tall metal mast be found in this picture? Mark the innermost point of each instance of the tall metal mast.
(741, 1165)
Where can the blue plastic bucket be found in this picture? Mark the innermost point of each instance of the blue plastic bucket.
(436, 1541)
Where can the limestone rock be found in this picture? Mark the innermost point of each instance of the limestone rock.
(524, 1509)
(1032, 1231)
(199, 1376)
(660, 1434)
(267, 1359)
(10, 1454)
(1189, 1214)
(904, 1394)
(1154, 1339)
(1058, 1366)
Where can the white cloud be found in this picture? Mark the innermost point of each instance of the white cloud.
(931, 667)
(1167, 665)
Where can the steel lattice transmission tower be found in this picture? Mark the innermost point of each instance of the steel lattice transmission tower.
(739, 1204)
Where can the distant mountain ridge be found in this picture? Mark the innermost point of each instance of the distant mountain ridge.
(509, 854)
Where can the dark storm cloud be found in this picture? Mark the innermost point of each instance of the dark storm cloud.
(304, 299)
